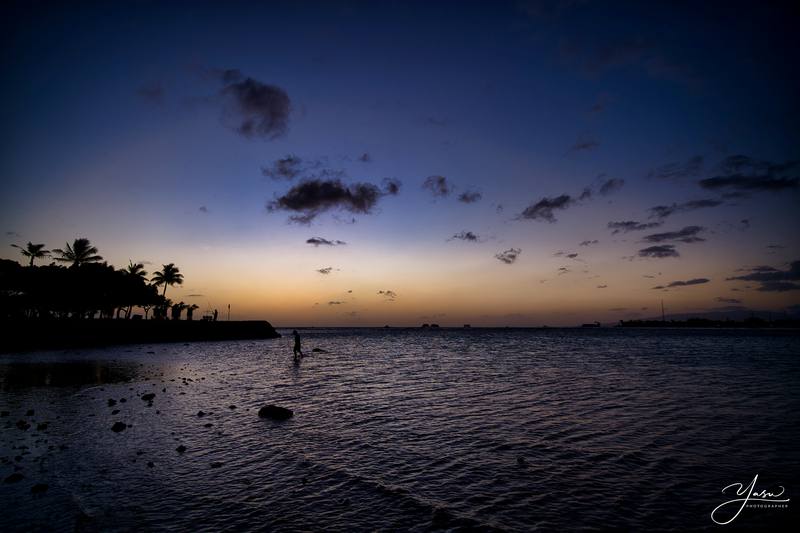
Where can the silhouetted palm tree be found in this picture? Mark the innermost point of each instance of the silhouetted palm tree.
(168, 275)
(34, 251)
(190, 311)
(79, 253)
(136, 270)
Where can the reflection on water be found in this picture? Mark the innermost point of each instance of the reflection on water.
(62, 374)
(401, 429)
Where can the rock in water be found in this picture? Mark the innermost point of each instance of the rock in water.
(39, 488)
(118, 426)
(148, 397)
(180, 449)
(275, 413)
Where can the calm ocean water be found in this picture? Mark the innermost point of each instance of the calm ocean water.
(517, 430)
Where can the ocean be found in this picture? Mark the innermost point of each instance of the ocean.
(406, 429)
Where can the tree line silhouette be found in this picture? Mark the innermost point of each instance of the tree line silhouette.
(83, 286)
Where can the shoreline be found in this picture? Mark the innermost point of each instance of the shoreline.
(32, 335)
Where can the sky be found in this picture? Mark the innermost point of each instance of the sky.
(371, 163)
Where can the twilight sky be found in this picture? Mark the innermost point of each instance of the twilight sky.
(371, 163)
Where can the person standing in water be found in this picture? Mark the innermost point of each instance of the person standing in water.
(297, 349)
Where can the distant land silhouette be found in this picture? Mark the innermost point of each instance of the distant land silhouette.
(90, 303)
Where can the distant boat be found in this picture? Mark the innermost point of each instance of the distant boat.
(592, 325)
(467, 326)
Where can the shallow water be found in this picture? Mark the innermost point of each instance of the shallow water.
(405, 429)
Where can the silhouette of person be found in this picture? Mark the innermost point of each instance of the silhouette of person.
(297, 349)
(215, 315)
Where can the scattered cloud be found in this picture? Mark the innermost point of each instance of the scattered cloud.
(389, 296)
(152, 93)
(313, 197)
(325, 271)
(543, 209)
(631, 225)
(588, 243)
(772, 279)
(508, 256)
(465, 236)
(203, 209)
(391, 186)
(690, 168)
(286, 168)
(664, 250)
(583, 145)
(469, 197)
(365, 158)
(195, 295)
(319, 241)
(437, 185)
(256, 109)
(602, 286)
(611, 186)
(687, 235)
(742, 175)
(336, 302)
(673, 284)
(775, 247)
(436, 121)
(663, 211)
(727, 300)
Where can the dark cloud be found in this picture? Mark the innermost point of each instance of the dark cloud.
(602, 286)
(611, 186)
(203, 209)
(563, 270)
(772, 279)
(391, 186)
(319, 241)
(286, 168)
(664, 250)
(775, 247)
(437, 185)
(436, 121)
(325, 271)
(388, 295)
(586, 194)
(336, 302)
(314, 196)
(600, 105)
(588, 243)
(695, 281)
(727, 300)
(740, 175)
(469, 197)
(572, 256)
(543, 209)
(256, 109)
(631, 225)
(584, 145)
(663, 211)
(692, 167)
(195, 295)
(152, 93)
(365, 158)
(687, 234)
(508, 256)
(465, 236)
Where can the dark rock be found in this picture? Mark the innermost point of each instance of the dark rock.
(208, 425)
(39, 488)
(275, 412)
(148, 397)
(521, 461)
(150, 464)
(200, 413)
(118, 426)
(29, 412)
(112, 402)
(319, 350)
(14, 478)
(41, 427)
(123, 400)
(23, 425)
(115, 412)
(231, 407)
(180, 449)
(216, 464)
(4, 413)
